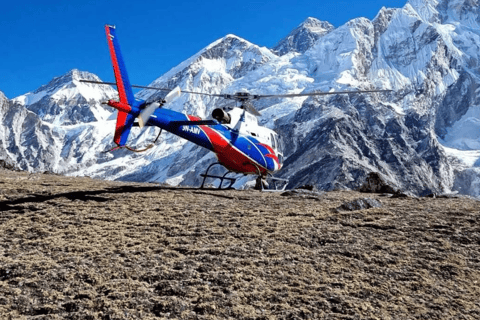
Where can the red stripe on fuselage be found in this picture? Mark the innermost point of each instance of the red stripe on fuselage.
(272, 153)
(193, 118)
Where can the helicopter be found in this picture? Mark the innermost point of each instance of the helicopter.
(241, 145)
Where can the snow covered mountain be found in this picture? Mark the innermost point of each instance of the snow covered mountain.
(55, 128)
(25, 140)
(65, 101)
(424, 136)
(4, 160)
(303, 37)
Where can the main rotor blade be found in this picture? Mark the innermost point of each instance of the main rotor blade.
(153, 88)
(311, 94)
(247, 96)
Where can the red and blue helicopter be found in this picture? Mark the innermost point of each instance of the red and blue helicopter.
(240, 144)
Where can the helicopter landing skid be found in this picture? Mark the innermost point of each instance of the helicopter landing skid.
(271, 184)
(222, 178)
(278, 184)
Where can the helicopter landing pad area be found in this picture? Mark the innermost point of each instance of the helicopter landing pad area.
(79, 248)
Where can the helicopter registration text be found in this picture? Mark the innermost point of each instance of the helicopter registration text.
(194, 130)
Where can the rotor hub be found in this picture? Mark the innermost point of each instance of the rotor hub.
(241, 96)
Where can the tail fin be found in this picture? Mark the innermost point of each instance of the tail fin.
(127, 100)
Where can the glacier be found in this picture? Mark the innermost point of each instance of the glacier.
(422, 137)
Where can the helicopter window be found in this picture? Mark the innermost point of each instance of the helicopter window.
(253, 134)
(274, 145)
(280, 144)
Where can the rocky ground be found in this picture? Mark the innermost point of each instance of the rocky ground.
(78, 248)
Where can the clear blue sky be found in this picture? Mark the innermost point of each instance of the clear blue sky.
(40, 40)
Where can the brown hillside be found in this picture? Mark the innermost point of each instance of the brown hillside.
(77, 248)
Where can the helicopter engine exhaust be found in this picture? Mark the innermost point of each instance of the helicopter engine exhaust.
(221, 116)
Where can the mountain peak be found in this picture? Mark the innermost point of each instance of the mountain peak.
(68, 80)
(228, 58)
(310, 20)
(71, 76)
(227, 41)
(232, 36)
(66, 100)
(317, 25)
(304, 36)
(426, 9)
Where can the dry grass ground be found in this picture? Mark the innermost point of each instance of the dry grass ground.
(77, 248)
